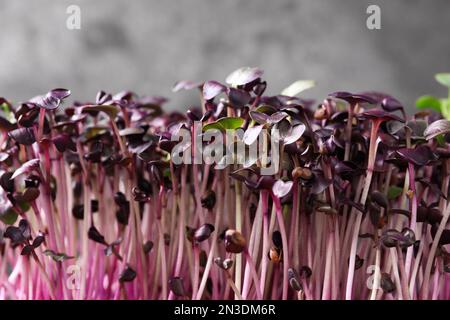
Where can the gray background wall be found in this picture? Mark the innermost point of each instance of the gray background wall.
(147, 45)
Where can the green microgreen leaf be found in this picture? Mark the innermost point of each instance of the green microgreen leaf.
(229, 123)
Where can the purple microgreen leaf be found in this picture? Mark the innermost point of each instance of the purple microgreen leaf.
(391, 104)
(127, 275)
(320, 183)
(386, 283)
(59, 93)
(15, 235)
(276, 117)
(6, 183)
(420, 156)
(96, 236)
(281, 188)
(379, 114)
(353, 98)
(38, 241)
(64, 142)
(251, 134)
(23, 136)
(294, 134)
(259, 117)
(147, 246)
(203, 233)
(211, 89)
(27, 167)
(177, 287)
(238, 98)
(51, 100)
(436, 128)
(5, 125)
(208, 200)
(243, 76)
(26, 250)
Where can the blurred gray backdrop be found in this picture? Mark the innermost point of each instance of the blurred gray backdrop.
(147, 45)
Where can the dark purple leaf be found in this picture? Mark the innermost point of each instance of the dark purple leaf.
(6, 182)
(392, 238)
(127, 275)
(445, 236)
(27, 250)
(260, 88)
(177, 287)
(305, 272)
(102, 97)
(359, 262)
(147, 247)
(238, 98)
(204, 232)
(38, 241)
(208, 200)
(63, 142)
(386, 283)
(277, 239)
(320, 183)
(59, 93)
(51, 100)
(379, 198)
(352, 98)
(259, 117)
(276, 117)
(420, 156)
(24, 227)
(96, 236)
(391, 104)
(23, 136)
(5, 125)
(15, 235)
(265, 183)
(436, 128)
(379, 114)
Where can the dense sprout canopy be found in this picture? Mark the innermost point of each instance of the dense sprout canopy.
(244, 196)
